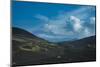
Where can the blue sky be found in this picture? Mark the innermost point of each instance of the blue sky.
(54, 22)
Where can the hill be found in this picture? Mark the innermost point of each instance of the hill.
(28, 49)
(26, 46)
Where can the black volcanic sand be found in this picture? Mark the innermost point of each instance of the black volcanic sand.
(27, 49)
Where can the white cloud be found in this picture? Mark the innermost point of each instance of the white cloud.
(51, 28)
(45, 35)
(56, 29)
(87, 32)
(41, 17)
(92, 20)
(76, 22)
(58, 25)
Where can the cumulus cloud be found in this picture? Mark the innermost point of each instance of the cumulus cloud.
(92, 20)
(87, 33)
(55, 29)
(76, 23)
(67, 26)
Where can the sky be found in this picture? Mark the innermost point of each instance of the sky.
(55, 22)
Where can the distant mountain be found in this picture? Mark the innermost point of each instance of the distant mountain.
(80, 43)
